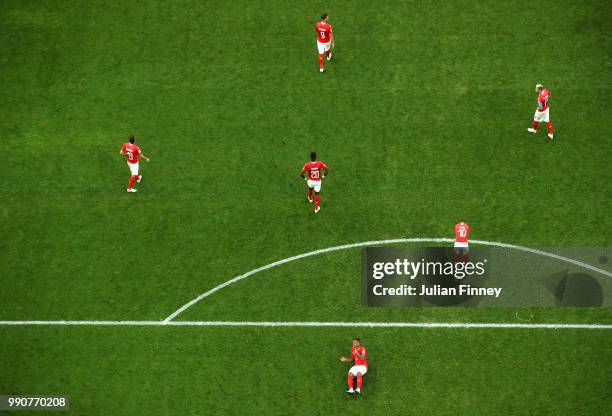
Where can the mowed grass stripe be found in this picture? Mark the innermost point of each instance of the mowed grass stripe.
(464, 325)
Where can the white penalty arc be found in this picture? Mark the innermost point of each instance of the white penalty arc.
(450, 325)
(378, 243)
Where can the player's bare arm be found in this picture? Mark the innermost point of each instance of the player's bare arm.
(346, 359)
(144, 157)
(331, 37)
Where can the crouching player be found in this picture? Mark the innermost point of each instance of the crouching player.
(359, 368)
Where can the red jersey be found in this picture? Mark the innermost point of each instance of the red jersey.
(314, 170)
(543, 98)
(462, 232)
(360, 351)
(131, 152)
(324, 31)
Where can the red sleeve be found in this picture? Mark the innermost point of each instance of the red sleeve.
(304, 169)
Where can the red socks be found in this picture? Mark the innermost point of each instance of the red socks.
(327, 53)
(359, 380)
(310, 193)
(535, 125)
(320, 60)
(462, 258)
(350, 381)
(131, 182)
(317, 199)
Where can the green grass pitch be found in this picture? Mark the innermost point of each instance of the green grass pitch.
(421, 117)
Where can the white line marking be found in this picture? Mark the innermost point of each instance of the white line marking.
(313, 324)
(376, 243)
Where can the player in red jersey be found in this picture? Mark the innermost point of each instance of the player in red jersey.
(132, 153)
(359, 358)
(542, 112)
(325, 39)
(462, 233)
(313, 172)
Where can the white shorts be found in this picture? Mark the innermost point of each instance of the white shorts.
(460, 245)
(316, 185)
(542, 116)
(323, 47)
(358, 369)
(133, 168)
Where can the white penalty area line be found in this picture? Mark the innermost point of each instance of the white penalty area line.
(378, 243)
(312, 324)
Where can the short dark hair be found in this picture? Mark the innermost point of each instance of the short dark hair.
(356, 339)
(324, 16)
(131, 138)
(313, 156)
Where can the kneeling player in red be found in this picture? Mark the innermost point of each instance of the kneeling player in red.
(359, 368)
(132, 153)
(316, 171)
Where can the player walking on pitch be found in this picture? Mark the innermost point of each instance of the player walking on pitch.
(313, 172)
(325, 40)
(542, 112)
(359, 357)
(132, 153)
